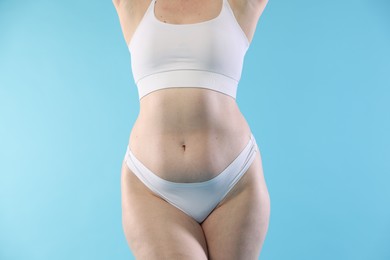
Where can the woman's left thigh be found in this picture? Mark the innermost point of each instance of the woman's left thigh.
(236, 229)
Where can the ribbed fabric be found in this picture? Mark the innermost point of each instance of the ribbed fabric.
(197, 199)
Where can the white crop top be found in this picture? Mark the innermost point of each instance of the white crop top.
(207, 54)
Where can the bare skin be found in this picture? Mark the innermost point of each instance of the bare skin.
(191, 135)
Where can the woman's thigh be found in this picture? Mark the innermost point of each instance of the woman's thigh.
(155, 229)
(236, 229)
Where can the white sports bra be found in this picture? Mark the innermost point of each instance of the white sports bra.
(207, 54)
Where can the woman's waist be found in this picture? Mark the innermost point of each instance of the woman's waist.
(165, 133)
(188, 156)
(178, 110)
(183, 120)
(188, 135)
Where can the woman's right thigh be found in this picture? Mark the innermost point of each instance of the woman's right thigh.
(155, 229)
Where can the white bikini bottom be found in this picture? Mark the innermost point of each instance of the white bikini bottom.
(196, 199)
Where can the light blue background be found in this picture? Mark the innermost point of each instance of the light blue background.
(315, 90)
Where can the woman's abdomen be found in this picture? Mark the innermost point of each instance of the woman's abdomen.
(188, 135)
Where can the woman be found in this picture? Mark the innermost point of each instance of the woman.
(192, 179)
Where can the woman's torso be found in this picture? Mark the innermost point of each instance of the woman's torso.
(186, 134)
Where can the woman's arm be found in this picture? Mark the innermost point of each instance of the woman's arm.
(128, 12)
(248, 13)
